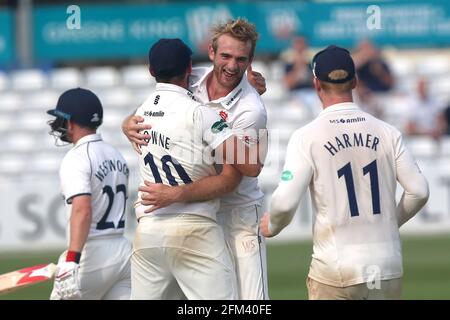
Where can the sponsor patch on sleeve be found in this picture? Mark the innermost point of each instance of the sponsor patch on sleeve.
(287, 175)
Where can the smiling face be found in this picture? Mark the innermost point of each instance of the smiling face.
(230, 60)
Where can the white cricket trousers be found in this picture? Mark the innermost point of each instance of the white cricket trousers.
(105, 270)
(248, 246)
(181, 256)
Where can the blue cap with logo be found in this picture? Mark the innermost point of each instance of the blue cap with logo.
(169, 57)
(81, 106)
(331, 59)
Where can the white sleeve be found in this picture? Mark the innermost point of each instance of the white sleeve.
(139, 112)
(414, 183)
(75, 175)
(296, 176)
(249, 125)
(214, 129)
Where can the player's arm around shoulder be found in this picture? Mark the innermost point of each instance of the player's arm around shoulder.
(157, 195)
(214, 131)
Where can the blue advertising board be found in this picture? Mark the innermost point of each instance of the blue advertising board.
(6, 37)
(116, 31)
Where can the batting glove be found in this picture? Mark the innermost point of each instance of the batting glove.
(67, 283)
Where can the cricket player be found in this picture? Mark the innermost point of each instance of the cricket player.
(179, 251)
(225, 89)
(94, 180)
(351, 162)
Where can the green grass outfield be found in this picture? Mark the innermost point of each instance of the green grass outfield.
(426, 269)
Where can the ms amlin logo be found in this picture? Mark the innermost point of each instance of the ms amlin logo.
(350, 120)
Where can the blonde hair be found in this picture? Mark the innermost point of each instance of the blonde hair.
(239, 29)
(338, 87)
(338, 74)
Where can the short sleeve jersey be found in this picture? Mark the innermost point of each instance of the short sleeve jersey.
(182, 138)
(94, 167)
(245, 113)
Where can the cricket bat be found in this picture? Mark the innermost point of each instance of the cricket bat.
(26, 277)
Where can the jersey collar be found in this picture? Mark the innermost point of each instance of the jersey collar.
(89, 138)
(202, 79)
(174, 88)
(339, 107)
(230, 99)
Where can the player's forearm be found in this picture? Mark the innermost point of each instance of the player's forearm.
(249, 170)
(412, 202)
(80, 222)
(283, 206)
(208, 188)
(297, 174)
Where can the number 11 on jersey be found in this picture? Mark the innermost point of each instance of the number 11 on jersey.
(371, 168)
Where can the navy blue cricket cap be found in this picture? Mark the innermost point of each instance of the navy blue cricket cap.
(81, 106)
(330, 59)
(169, 57)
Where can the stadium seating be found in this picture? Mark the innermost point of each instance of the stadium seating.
(65, 78)
(137, 76)
(402, 66)
(423, 147)
(27, 80)
(12, 164)
(4, 81)
(10, 101)
(433, 66)
(445, 147)
(101, 77)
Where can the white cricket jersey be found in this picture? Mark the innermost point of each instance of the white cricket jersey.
(245, 113)
(351, 162)
(94, 167)
(183, 136)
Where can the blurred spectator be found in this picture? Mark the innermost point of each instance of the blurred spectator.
(444, 120)
(423, 117)
(298, 75)
(373, 72)
(374, 78)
